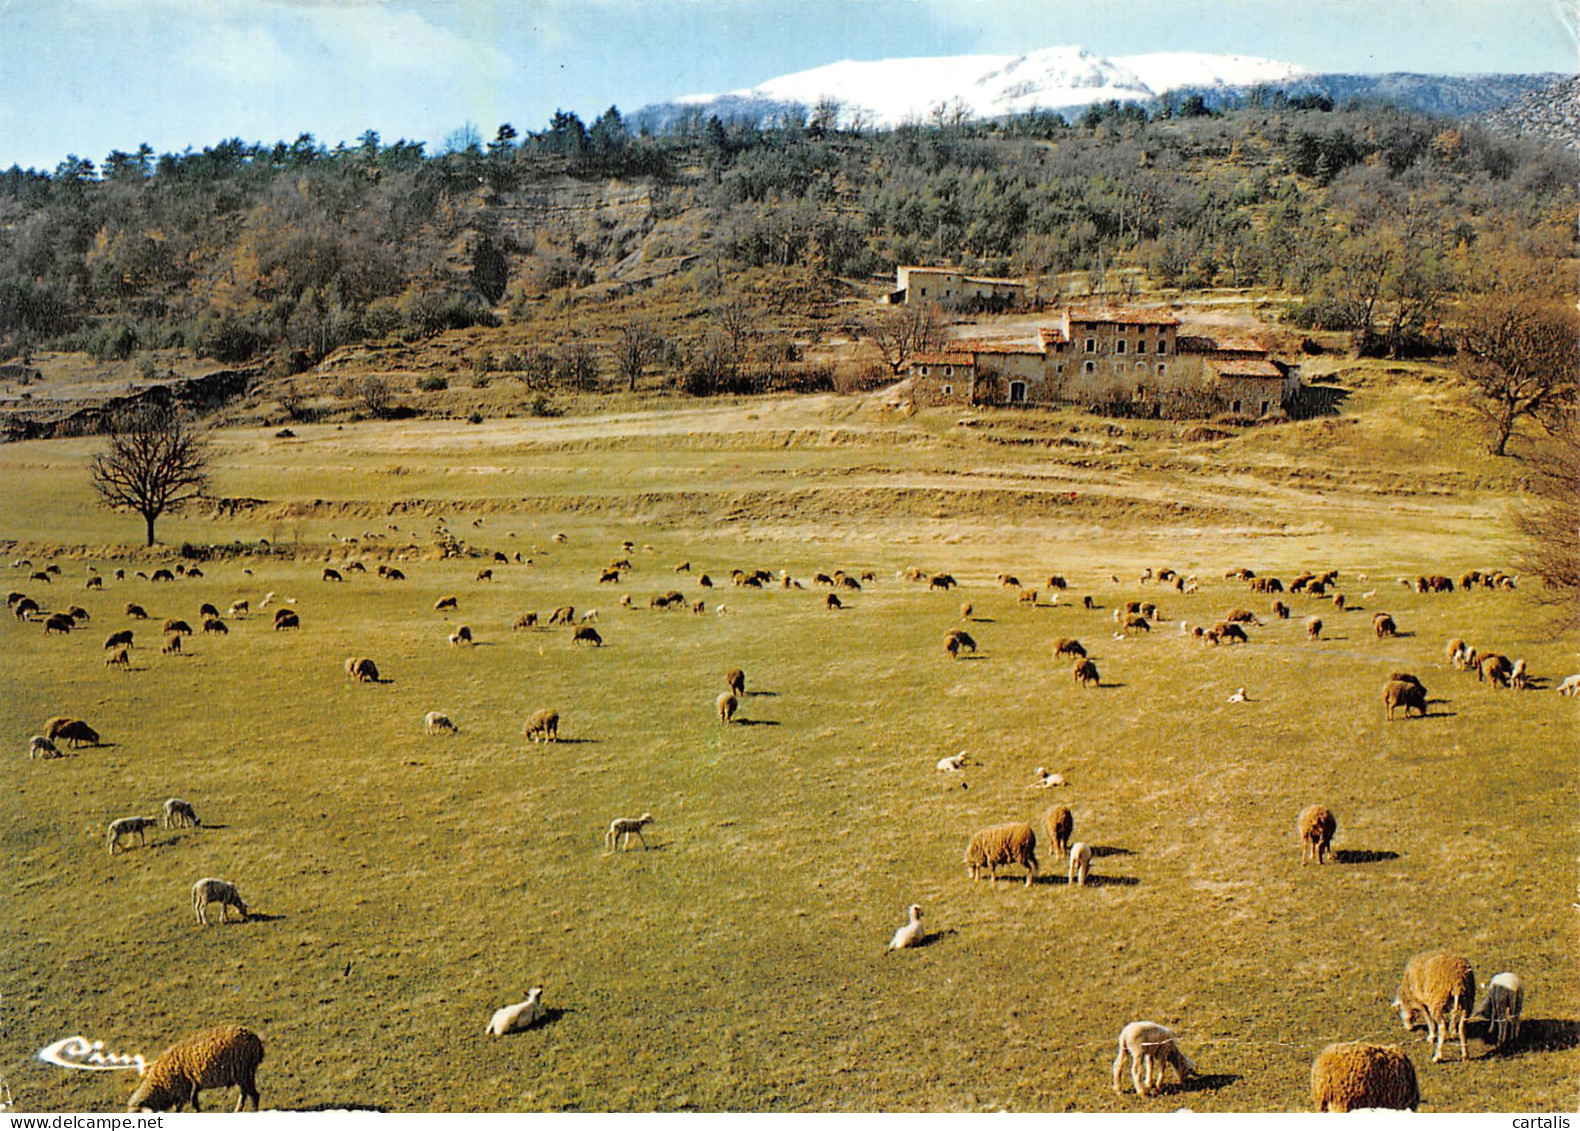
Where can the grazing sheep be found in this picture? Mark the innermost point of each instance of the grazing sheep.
(163, 575)
(526, 620)
(519, 1017)
(1355, 1075)
(1080, 864)
(544, 725)
(958, 640)
(180, 813)
(1441, 987)
(1280, 610)
(77, 612)
(591, 615)
(222, 1057)
(1085, 673)
(565, 614)
(1065, 646)
(609, 576)
(1570, 685)
(1505, 1000)
(77, 733)
(332, 575)
(1088, 603)
(1027, 597)
(1411, 696)
(1059, 823)
(1317, 826)
(1313, 628)
(58, 622)
(446, 602)
(136, 612)
(216, 626)
(172, 645)
(239, 610)
(1383, 625)
(223, 892)
(120, 658)
(393, 574)
(735, 680)
(94, 583)
(361, 669)
(704, 582)
(1406, 677)
(1242, 616)
(129, 826)
(1456, 651)
(1014, 843)
(1055, 581)
(485, 575)
(286, 618)
(832, 601)
(911, 934)
(462, 635)
(587, 634)
(25, 608)
(1138, 622)
(1518, 680)
(1496, 669)
(178, 627)
(40, 747)
(942, 581)
(1146, 1044)
(725, 704)
(435, 721)
(622, 829)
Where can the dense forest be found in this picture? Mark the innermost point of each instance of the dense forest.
(1370, 219)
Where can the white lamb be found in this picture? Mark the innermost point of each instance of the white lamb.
(952, 764)
(1080, 863)
(1505, 1000)
(911, 934)
(622, 829)
(435, 721)
(515, 1018)
(1570, 685)
(1046, 780)
(1146, 1043)
(211, 890)
(40, 747)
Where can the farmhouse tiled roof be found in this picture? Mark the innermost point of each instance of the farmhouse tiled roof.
(1124, 317)
(1247, 367)
(951, 357)
(1194, 343)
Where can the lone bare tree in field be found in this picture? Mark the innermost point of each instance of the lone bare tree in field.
(904, 332)
(1520, 355)
(637, 347)
(154, 460)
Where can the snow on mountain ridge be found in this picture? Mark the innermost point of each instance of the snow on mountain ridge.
(890, 91)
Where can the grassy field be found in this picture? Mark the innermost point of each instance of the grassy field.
(407, 885)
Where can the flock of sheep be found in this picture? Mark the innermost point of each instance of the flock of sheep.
(1437, 989)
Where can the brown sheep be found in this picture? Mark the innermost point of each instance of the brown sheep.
(1009, 581)
(1002, 844)
(77, 612)
(1495, 668)
(1280, 610)
(544, 725)
(120, 658)
(163, 575)
(1383, 625)
(587, 634)
(286, 618)
(1027, 597)
(1356, 1075)
(1441, 988)
(1059, 823)
(207, 611)
(485, 575)
(1317, 826)
(1242, 616)
(832, 601)
(76, 732)
(172, 645)
(725, 705)
(705, 582)
(58, 622)
(215, 626)
(332, 574)
(1085, 673)
(957, 640)
(462, 635)
(393, 574)
(95, 583)
(565, 614)
(526, 620)
(178, 626)
(136, 612)
(448, 601)
(1055, 581)
(216, 1058)
(966, 610)
(1313, 628)
(735, 680)
(942, 581)
(1064, 646)
(1138, 622)
(609, 576)
(1225, 632)
(1410, 696)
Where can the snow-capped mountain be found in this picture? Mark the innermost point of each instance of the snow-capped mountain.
(889, 92)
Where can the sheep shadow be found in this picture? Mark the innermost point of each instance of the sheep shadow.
(263, 917)
(570, 742)
(1108, 686)
(1539, 1035)
(982, 620)
(1093, 880)
(764, 694)
(968, 659)
(1362, 855)
(330, 1106)
(1209, 1082)
(932, 937)
(1101, 850)
(740, 722)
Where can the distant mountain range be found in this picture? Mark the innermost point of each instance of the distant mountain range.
(891, 92)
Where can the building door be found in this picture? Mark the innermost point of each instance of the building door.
(1017, 392)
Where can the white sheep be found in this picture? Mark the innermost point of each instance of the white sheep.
(515, 1018)
(623, 829)
(1239, 696)
(1080, 863)
(130, 826)
(1044, 779)
(211, 890)
(1505, 1000)
(40, 747)
(589, 616)
(911, 934)
(435, 721)
(952, 764)
(1570, 685)
(1145, 1044)
(178, 812)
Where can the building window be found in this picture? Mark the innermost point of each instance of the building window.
(949, 371)
(949, 390)
(923, 370)
(1141, 346)
(1091, 367)
(1091, 345)
(1160, 369)
(923, 290)
(1234, 406)
(1061, 367)
(1264, 408)
(1141, 367)
(1163, 347)
(1119, 346)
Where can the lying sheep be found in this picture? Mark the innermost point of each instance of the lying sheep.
(222, 1057)
(180, 813)
(958, 640)
(435, 721)
(1505, 1001)
(1080, 864)
(1085, 673)
(544, 725)
(1317, 826)
(725, 705)
(911, 934)
(40, 747)
(1146, 1044)
(129, 826)
(1441, 988)
(1410, 696)
(1059, 823)
(952, 764)
(1002, 844)
(1355, 1075)
(519, 1017)
(622, 829)
(223, 892)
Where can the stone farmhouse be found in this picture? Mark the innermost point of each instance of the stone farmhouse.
(1102, 356)
(947, 286)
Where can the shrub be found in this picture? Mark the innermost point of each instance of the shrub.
(433, 384)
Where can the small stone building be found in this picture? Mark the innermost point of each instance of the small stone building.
(945, 285)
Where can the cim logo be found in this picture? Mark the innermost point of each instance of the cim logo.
(79, 1052)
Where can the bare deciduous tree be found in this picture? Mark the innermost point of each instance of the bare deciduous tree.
(904, 332)
(155, 460)
(1550, 520)
(635, 348)
(1520, 355)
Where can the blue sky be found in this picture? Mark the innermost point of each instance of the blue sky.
(88, 76)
